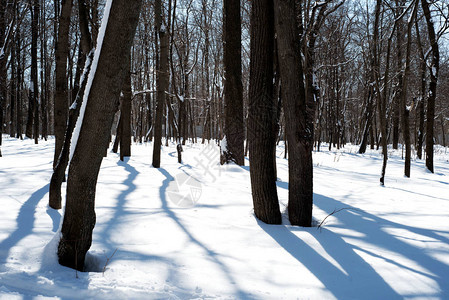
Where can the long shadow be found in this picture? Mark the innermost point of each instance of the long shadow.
(97, 263)
(416, 193)
(240, 294)
(121, 198)
(55, 216)
(345, 281)
(372, 229)
(25, 223)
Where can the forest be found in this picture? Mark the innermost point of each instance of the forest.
(256, 100)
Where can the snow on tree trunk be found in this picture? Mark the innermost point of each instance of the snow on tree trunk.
(94, 125)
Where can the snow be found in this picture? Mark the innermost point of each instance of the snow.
(90, 79)
(224, 145)
(434, 71)
(163, 29)
(388, 242)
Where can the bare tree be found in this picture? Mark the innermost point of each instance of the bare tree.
(63, 158)
(34, 85)
(3, 60)
(162, 78)
(61, 101)
(261, 114)
(119, 21)
(233, 88)
(434, 68)
(125, 117)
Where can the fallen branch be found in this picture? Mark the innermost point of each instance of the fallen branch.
(108, 259)
(334, 212)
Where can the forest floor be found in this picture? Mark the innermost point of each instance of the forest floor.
(188, 231)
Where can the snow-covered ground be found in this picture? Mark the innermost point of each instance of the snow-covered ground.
(187, 231)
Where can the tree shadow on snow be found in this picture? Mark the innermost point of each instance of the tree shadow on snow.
(353, 277)
(239, 293)
(25, 223)
(96, 262)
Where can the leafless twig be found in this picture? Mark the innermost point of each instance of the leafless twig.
(108, 259)
(332, 213)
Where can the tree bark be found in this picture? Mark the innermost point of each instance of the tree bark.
(420, 109)
(19, 85)
(61, 101)
(434, 69)
(59, 169)
(262, 114)
(233, 88)
(125, 117)
(298, 97)
(161, 82)
(3, 73)
(102, 101)
(405, 110)
(61, 165)
(34, 85)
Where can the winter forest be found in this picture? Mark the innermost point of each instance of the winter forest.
(224, 149)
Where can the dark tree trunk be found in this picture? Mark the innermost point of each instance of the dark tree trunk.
(420, 109)
(12, 112)
(405, 110)
(19, 86)
(125, 117)
(30, 116)
(61, 89)
(3, 72)
(161, 83)
(233, 88)
(397, 105)
(298, 97)
(93, 140)
(443, 132)
(368, 118)
(262, 114)
(118, 135)
(44, 72)
(61, 165)
(34, 85)
(434, 69)
(58, 175)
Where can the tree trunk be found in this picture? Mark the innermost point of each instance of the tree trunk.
(368, 118)
(262, 114)
(44, 74)
(443, 132)
(125, 117)
(61, 90)
(381, 98)
(299, 110)
(19, 86)
(3, 60)
(61, 165)
(120, 21)
(434, 69)
(233, 88)
(118, 135)
(161, 83)
(59, 169)
(420, 109)
(403, 89)
(34, 85)
(12, 112)
(30, 115)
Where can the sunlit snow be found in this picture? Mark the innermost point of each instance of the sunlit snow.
(187, 231)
